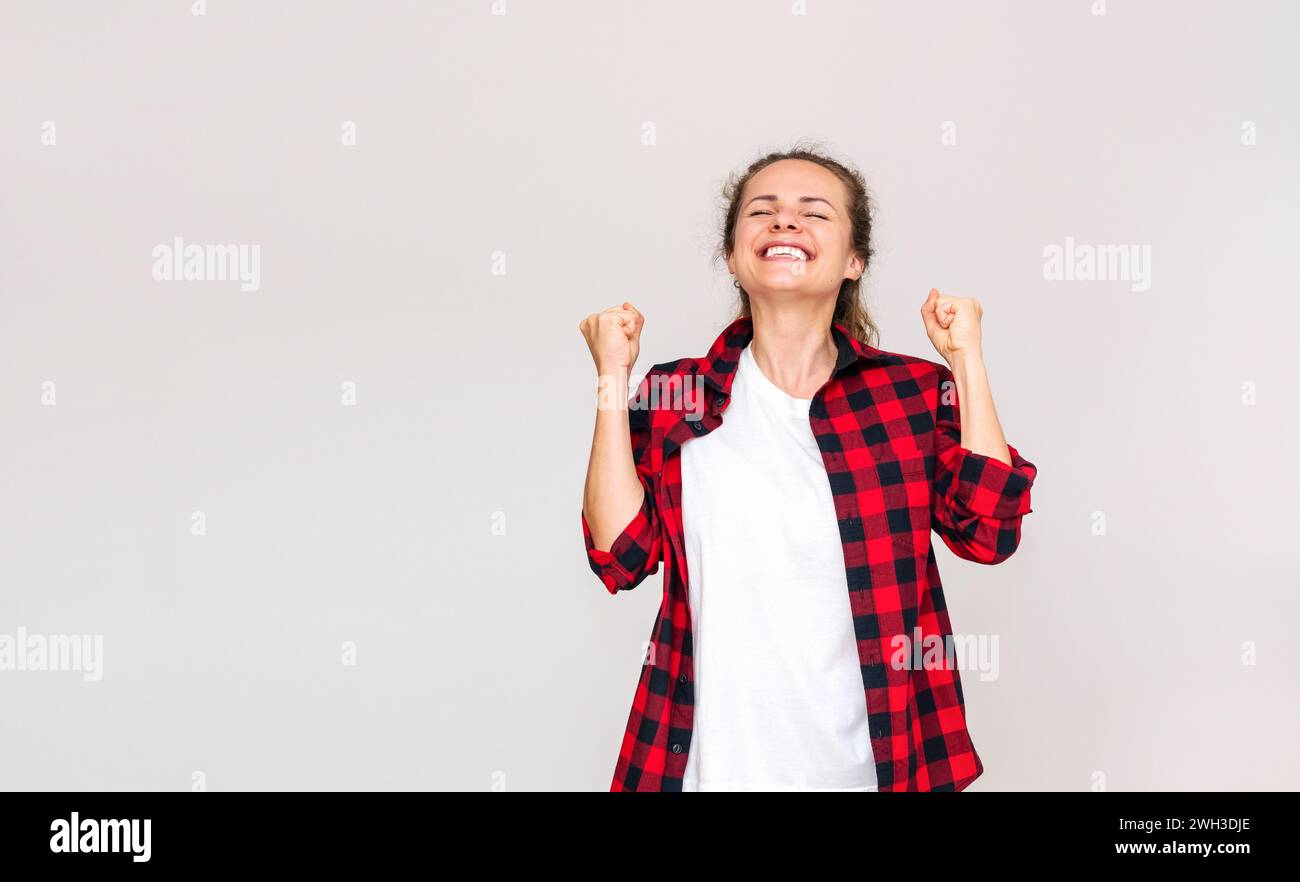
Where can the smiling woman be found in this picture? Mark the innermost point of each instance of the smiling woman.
(794, 515)
(833, 208)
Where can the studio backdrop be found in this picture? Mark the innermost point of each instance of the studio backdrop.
(296, 416)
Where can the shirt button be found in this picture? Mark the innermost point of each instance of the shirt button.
(697, 426)
(681, 678)
(677, 748)
(720, 400)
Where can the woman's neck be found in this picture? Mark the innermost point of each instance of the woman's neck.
(795, 350)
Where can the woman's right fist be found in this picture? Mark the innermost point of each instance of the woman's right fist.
(614, 337)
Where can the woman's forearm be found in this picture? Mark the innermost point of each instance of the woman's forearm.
(613, 493)
(980, 430)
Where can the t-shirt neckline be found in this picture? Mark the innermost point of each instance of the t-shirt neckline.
(788, 403)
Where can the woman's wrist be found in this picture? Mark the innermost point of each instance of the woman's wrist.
(964, 361)
(612, 387)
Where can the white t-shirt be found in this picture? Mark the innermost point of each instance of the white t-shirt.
(779, 699)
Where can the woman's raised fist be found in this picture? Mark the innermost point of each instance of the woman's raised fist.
(614, 337)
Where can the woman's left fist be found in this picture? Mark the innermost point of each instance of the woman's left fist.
(953, 324)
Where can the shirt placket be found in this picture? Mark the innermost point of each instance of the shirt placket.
(879, 679)
(682, 712)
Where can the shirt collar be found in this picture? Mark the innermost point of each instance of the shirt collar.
(718, 368)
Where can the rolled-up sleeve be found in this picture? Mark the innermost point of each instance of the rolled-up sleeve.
(978, 501)
(638, 549)
(636, 552)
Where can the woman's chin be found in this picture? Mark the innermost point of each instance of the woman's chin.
(785, 280)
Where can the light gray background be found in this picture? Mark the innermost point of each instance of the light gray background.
(498, 660)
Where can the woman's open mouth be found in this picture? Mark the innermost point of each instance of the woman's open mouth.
(783, 252)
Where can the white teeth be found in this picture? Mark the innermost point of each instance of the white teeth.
(785, 249)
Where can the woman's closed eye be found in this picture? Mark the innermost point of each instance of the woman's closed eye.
(765, 211)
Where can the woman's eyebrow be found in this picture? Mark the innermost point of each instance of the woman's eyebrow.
(771, 198)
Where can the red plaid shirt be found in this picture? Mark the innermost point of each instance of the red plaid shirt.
(890, 436)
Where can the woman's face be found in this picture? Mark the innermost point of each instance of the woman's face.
(799, 204)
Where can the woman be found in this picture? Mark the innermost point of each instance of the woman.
(789, 481)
